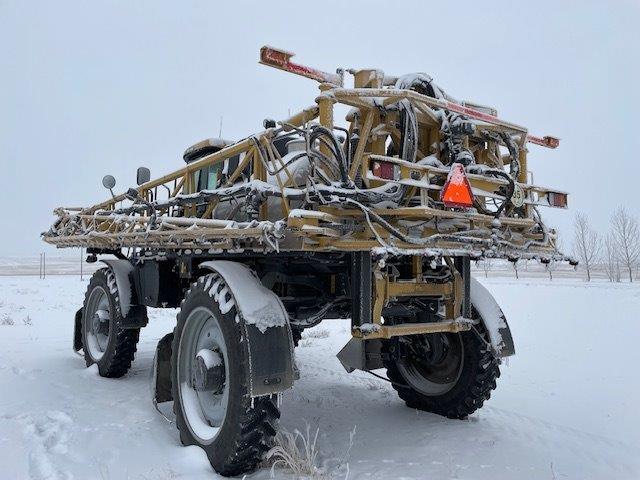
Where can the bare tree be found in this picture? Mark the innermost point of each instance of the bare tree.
(486, 266)
(551, 267)
(626, 237)
(610, 259)
(586, 243)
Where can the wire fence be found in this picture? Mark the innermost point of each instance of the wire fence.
(44, 265)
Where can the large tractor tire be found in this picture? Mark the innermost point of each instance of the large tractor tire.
(450, 374)
(104, 341)
(210, 382)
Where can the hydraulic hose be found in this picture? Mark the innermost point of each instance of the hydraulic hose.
(317, 133)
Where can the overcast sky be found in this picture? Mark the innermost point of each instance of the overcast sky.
(90, 88)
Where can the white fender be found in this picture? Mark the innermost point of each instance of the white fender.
(122, 270)
(133, 315)
(258, 305)
(266, 326)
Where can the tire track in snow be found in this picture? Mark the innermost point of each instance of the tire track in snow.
(581, 444)
(46, 436)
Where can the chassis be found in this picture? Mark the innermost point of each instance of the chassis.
(258, 239)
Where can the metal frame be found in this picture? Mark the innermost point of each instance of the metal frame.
(179, 224)
(328, 214)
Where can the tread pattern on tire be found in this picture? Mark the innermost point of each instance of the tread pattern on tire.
(257, 422)
(118, 362)
(473, 389)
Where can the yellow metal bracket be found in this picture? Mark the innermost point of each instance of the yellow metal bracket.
(387, 290)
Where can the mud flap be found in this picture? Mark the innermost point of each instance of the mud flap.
(160, 379)
(272, 369)
(161, 371)
(77, 331)
(136, 318)
(270, 348)
(359, 354)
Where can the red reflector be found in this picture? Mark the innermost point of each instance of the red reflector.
(552, 142)
(457, 191)
(557, 199)
(546, 141)
(386, 170)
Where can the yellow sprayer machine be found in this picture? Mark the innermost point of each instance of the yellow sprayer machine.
(375, 218)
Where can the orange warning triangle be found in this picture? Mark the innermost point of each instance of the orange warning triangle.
(457, 191)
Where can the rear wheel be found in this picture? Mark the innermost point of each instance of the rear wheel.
(104, 341)
(210, 382)
(450, 374)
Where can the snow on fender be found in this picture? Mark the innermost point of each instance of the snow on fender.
(266, 326)
(493, 319)
(122, 270)
(258, 305)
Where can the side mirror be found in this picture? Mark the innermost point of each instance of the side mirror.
(108, 182)
(143, 175)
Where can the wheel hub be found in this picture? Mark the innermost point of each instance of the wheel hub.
(208, 374)
(98, 321)
(432, 349)
(433, 363)
(98, 324)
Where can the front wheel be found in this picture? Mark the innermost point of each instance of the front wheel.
(104, 341)
(450, 374)
(210, 382)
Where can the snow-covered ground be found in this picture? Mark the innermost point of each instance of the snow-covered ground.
(566, 406)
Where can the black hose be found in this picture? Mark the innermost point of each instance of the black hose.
(513, 153)
(510, 189)
(405, 238)
(317, 132)
(317, 317)
(347, 143)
